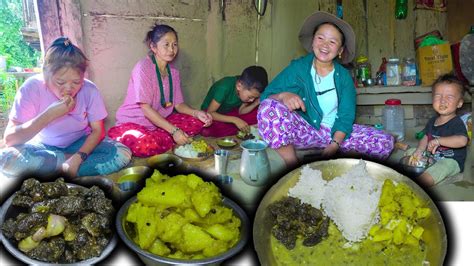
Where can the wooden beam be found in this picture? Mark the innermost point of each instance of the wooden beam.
(49, 28)
(407, 94)
(59, 18)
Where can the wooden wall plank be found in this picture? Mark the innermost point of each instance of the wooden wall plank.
(327, 5)
(70, 15)
(380, 33)
(355, 14)
(460, 19)
(404, 33)
(429, 20)
(280, 26)
(49, 28)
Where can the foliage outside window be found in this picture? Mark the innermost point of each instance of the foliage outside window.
(12, 45)
(8, 85)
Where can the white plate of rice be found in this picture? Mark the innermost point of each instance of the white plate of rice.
(187, 152)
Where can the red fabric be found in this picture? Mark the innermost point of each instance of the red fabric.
(144, 142)
(221, 129)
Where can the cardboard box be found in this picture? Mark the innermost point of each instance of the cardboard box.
(434, 61)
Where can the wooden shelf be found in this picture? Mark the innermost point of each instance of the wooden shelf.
(407, 94)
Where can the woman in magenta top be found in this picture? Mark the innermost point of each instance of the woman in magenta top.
(154, 116)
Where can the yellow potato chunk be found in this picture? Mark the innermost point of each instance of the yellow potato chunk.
(195, 239)
(423, 212)
(159, 248)
(388, 189)
(382, 235)
(191, 215)
(222, 232)
(218, 214)
(166, 194)
(400, 232)
(412, 241)
(204, 197)
(373, 230)
(145, 222)
(215, 248)
(417, 232)
(169, 228)
(193, 181)
(408, 208)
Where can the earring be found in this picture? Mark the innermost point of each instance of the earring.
(340, 56)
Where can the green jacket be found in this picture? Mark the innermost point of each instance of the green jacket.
(296, 78)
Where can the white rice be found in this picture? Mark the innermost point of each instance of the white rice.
(310, 187)
(186, 151)
(350, 200)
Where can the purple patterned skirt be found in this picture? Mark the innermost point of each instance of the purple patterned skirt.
(279, 126)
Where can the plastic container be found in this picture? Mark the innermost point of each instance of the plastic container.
(393, 118)
(409, 72)
(364, 71)
(394, 72)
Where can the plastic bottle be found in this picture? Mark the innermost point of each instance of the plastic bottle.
(393, 72)
(393, 118)
(409, 72)
(401, 9)
(364, 71)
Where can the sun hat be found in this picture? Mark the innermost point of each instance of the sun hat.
(319, 17)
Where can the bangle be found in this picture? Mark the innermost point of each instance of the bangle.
(437, 141)
(176, 129)
(335, 141)
(194, 113)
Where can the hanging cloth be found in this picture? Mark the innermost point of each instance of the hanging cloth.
(164, 103)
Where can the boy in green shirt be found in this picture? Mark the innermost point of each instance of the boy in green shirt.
(232, 102)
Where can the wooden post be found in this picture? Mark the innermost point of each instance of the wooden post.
(59, 18)
(48, 17)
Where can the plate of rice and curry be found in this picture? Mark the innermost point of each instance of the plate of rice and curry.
(348, 212)
(197, 150)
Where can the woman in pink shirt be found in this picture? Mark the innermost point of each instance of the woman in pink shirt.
(146, 121)
(56, 122)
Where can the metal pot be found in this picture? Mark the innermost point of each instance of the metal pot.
(126, 233)
(8, 211)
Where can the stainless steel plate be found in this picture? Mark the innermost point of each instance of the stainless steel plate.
(434, 227)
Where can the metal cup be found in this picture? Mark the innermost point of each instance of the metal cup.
(221, 158)
(225, 183)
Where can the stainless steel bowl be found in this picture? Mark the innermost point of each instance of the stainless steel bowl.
(134, 174)
(165, 161)
(414, 170)
(435, 232)
(148, 258)
(226, 143)
(8, 211)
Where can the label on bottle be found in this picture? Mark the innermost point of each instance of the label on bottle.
(363, 74)
(393, 75)
(409, 74)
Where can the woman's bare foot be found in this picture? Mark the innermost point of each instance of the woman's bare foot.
(288, 154)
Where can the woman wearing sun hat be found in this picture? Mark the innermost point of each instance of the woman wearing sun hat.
(312, 102)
